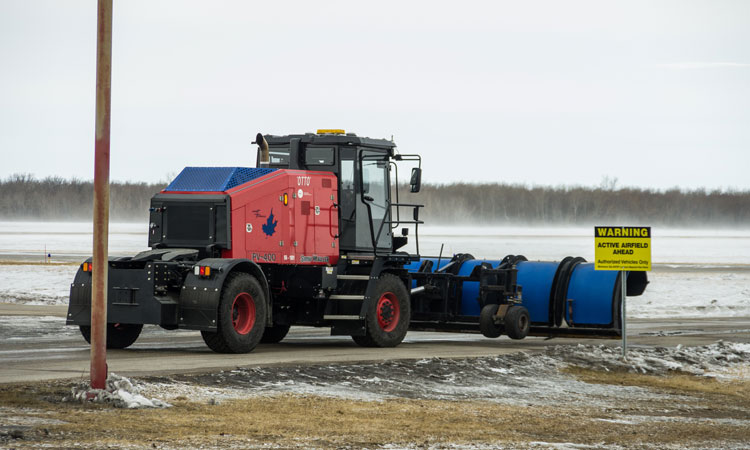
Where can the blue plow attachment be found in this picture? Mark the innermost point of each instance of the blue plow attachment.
(565, 297)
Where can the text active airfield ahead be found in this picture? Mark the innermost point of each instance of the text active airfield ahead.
(622, 248)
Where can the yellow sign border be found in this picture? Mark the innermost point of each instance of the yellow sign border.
(622, 248)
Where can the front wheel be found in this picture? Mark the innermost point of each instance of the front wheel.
(388, 314)
(274, 334)
(119, 335)
(241, 316)
(487, 322)
(517, 322)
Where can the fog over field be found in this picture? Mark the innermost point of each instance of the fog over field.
(23, 197)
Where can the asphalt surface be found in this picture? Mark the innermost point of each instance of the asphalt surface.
(36, 345)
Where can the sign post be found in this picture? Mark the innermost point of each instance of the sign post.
(623, 311)
(624, 249)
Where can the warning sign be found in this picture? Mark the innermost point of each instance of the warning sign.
(622, 248)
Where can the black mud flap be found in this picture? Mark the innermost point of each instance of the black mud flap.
(79, 305)
(200, 295)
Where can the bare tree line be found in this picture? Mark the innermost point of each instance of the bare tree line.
(23, 197)
(505, 204)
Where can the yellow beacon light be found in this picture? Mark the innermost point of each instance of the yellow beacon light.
(331, 131)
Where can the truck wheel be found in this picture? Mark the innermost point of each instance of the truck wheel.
(487, 324)
(517, 322)
(363, 341)
(241, 316)
(274, 334)
(119, 335)
(388, 314)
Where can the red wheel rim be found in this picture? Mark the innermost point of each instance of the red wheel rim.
(243, 313)
(388, 312)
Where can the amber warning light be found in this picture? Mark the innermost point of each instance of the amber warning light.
(86, 267)
(331, 131)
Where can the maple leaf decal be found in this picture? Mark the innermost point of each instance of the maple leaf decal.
(269, 228)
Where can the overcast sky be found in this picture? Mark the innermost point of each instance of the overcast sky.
(655, 94)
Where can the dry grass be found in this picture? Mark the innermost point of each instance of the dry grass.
(310, 421)
(38, 263)
(682, 383)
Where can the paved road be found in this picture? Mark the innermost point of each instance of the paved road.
(36, 345)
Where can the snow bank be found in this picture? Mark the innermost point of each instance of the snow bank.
(120, 392)
(517, 378)
(709, 360)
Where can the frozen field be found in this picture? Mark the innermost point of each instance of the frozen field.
(697, 273)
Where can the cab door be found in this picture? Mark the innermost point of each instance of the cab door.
(373, 203)
(347, 199)
(364, 196)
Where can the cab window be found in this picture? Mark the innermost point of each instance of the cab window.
(319, 156)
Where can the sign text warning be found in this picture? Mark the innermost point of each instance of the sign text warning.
(622, 248)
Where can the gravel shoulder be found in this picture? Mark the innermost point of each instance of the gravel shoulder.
(565, 397)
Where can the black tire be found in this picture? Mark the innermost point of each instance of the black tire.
(119, 335)
(517, 322)
(363, 341)
(241, 316)
(274, 334)
(487, 324)
(388, 314)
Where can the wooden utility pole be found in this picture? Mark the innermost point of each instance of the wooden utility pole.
(101, 196)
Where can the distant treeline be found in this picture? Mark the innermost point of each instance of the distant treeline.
(23, 197)
(518, 204)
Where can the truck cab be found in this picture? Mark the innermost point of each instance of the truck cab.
(367, 175)
(369, 298)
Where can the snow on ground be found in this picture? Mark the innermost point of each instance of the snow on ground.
(716, 360)
(669, 246)
(697, 273)
(63, 239)
(67, 242)
(693, 294)
(517, 379)
(37, 284)
(36, 328)
(119, 391)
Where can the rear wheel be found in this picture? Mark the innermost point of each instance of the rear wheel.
(274, 334)
(241, 316)
(119, 335)
(517, 322)
(388, 314)
(487, 324)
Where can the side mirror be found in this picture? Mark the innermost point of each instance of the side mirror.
(416, 179)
